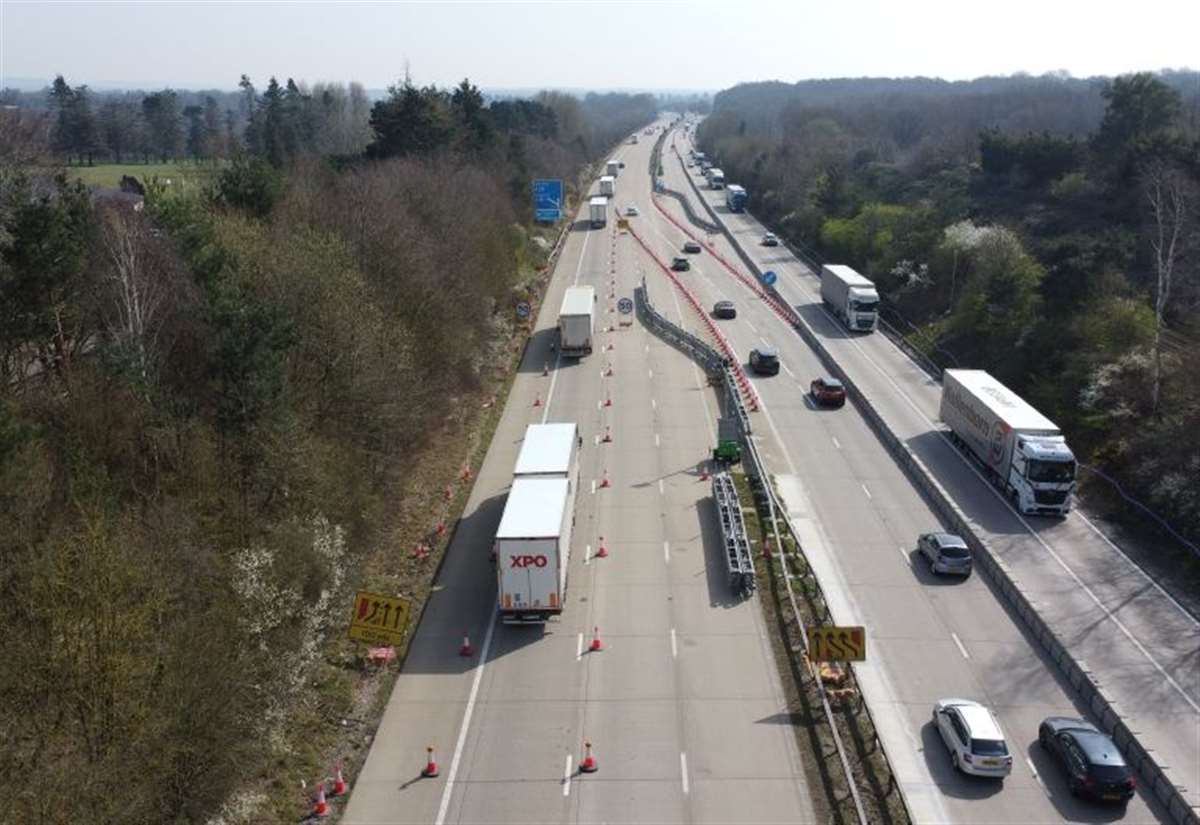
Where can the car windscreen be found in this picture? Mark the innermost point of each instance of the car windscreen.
(953, 551)
(1109, 773)
(989, 747)
(767, 358)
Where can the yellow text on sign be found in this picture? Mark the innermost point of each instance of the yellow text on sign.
(837, 644)
(379, 619)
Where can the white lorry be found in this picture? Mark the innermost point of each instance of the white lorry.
(716, 179)
(608, 186)
(1023, 453)
(533, 541)
(575, 321)
(613, 167)
(852, 297)
(598, 211)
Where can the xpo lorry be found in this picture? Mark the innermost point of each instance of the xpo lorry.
(575, 321)
(608, 186)
(613, 167)
(598, 211)
(533, 541)
(1023, 453)
(852, 297)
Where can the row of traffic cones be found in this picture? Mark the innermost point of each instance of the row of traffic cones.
(588, 764)
(321, 803)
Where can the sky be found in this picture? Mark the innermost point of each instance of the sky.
(563, 44)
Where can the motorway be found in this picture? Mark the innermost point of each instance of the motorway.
(684, 704)
(929, 638)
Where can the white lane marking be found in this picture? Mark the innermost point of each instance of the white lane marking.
(579, 647)
(788, 370)
(466, 723)
(593, 486)
(683, 770)
(651, 372)
(836, 443)
(657, 443)
(904, 555)
(1036, 776)
(674, 647)
(667, 551)
(567, 777)
(653, 404)
(647, 347)
(595, 441)
(587, 554)
(747, 320)
(961, 648)
(660, 487)
(865, 490)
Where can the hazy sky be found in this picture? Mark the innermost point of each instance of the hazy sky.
(586, 44)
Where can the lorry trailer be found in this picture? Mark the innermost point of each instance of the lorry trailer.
(608, 186)
(1023, 453)
(575, 321)
(735, 198)
(613, 167)
(852, 297)
(598, 211)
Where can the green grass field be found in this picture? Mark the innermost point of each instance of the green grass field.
(109, 174)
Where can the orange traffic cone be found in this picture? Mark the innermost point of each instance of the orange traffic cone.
(537, 400)
(608, 401)
(545, 368)
(441, 528)
(339, 782)
(431, 765)
(704, 473)
(589, 764)
(604, 482)
(466, 649)
(602, 553)
(465, 475)
(608, 372)
(320, 806)
(607, 435)
(596, 647)
(448, 492)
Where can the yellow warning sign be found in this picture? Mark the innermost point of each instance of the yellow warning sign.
(837, 644)
(622, 223)
(379, 619)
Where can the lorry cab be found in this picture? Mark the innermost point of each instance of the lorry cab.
(1042, 474)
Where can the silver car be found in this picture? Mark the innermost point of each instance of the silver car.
(972, 735)
(946, 553)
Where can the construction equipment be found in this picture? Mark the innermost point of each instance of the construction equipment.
(733, 535)
(729, 447)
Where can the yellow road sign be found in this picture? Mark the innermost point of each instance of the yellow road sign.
(379, 619)
(837, 644)
(622, 223)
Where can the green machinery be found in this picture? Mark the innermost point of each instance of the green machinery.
(729, 447)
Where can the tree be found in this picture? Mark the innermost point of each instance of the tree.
(118, 120)
(164, 129)
(1166, 194)
(214, 138)
(61, 99)
(197, 132)
(410, 121)
(467, 103)
(1138, 106)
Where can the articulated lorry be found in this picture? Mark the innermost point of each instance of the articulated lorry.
(852, 297)
(613, 167)
(1023, 453)
(735, 198)
(533, 541)
(598, 211)
(608, 186)
(575, 321)
(716, 179)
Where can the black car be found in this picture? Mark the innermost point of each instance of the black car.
(724, 309)
(764, 361)
(681, 264)
(691, 247)
(1094, 766)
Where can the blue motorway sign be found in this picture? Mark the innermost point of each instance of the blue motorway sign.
(769, 278)
(625, 306)
(523, 310)
(547, 200)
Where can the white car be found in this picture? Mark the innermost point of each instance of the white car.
(972, 735)
(632, 211)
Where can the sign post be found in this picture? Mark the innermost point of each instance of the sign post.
(547, 200)
(379, 619)
(769, 277)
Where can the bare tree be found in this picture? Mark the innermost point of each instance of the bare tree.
(1166, 192)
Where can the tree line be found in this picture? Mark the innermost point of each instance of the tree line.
(211, 404)
(1044, 229)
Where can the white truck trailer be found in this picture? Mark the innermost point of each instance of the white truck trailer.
(608, 186)
(533, 541)
(716, 179)
(1023, 453)
(852, 297)
(598, 211)
(613, 167)
(575, 321)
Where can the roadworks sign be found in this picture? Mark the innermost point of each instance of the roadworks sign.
(837, 644)
(379, 619)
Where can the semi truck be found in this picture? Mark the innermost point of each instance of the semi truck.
(852, 297)
(735, 198)
(613, 167)
(716, 179)
(1023, 453)
(533, 542)
(598, 211)
(575, 321)
(608, 186)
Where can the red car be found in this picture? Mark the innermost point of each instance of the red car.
(828, 392)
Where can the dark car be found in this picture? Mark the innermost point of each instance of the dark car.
(691, 247)
(828, 392)
(681, 264)
(764, 361)
(724, 309)
(769, 239)
(946, 553)
(1094, 766)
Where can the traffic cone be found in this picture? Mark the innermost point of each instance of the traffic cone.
(448, 492)
(537, 400)
(608, 372)
(611, 346)
(441, 528)
(704, 473)
(339, 782)
(545, 368)
(465, 475)
(466, 649)
(589, 764)
(608, 401)
(604, 482)
(607, 435)
(320, 806)
(596, 647)
(431, 765)
(602, 553)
